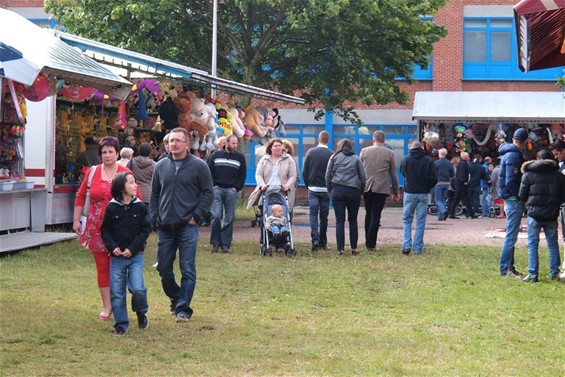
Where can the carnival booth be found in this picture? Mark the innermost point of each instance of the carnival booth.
(34, 65)
(478, 122)
(164, 95)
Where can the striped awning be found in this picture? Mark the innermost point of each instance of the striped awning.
(540, 26)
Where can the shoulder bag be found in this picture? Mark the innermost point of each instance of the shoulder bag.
(86, 207)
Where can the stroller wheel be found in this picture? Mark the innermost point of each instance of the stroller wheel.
(270, 251)
(253, 223)
(432, 209)
(263, 250)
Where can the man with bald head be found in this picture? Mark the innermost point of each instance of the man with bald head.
(462, 188)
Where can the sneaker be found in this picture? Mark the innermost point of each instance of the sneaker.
(156, 265)
(324, 247)
(477, 217)
(225, 250)
(514, 273)
(215, 248)
(182, 317)
(531, 277)
(340, 252)
(283, 234)
(557, 277)
(354, 252)
(406, 251)
(173, 308)
(142, 321)
(371, 249)
(118, 331)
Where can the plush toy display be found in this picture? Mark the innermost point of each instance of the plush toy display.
(237, 126)
(212, 137)
(200, 120)
(224, 122)
(278, 123)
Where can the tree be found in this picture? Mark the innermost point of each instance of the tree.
(334, 52)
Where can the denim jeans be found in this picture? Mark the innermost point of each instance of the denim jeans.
(514, 211)
(223, 214)
(341, 203)
(475, 198)
(185, 240)
(319, 203)
(440, 197)
(276, 229)
(127, 272)
(486, 203)
(374, 204)
(417, 203)
(550, 230)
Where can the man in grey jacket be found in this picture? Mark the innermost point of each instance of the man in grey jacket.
(181, 195)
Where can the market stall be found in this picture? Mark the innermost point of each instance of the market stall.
(164, 95)
(478, 122)
(34, 65)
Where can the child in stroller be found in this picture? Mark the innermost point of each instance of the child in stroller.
(276, 227)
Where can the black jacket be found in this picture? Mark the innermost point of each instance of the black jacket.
(126, 226)
(315, 165)
(542, 188)
(228, 169)
(418, 171)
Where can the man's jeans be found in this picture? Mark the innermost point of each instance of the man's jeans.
(127, 272)
(185, 240)
(514, 211)
(223, 214)
(486, 204)
(475, 198)
(550, 231)
(441, 190)
(374, 204)
(414, 203)
(319, 203)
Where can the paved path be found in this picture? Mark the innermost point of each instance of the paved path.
(485, 231)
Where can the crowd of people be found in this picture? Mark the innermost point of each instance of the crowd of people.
(179, 192)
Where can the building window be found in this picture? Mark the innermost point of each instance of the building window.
(490, 52)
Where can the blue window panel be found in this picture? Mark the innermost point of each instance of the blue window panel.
(424, 74)
(490, 52)
(304, 137)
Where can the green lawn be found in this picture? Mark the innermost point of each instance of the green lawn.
(445, 313)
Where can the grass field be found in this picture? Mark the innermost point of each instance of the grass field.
(445, 313)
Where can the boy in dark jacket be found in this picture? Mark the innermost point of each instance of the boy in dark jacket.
(124, 231)
(543, 189)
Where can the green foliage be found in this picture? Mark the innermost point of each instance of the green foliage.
(444, 313)
(335, 52)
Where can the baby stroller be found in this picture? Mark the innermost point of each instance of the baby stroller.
(493, 207)
(267, 239)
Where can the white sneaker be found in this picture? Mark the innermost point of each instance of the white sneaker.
(156, 265)
(562, 277)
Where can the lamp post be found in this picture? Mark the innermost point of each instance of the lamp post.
(214, 45)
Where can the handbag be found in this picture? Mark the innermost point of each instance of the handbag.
(86, 207)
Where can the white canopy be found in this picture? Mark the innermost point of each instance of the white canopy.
(516, 107)
(27, 50)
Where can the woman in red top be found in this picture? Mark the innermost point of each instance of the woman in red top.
(100, 196)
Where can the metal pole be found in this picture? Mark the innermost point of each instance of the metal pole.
(214, 45)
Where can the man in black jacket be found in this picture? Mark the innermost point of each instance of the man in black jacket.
(228, 170)
(461, 189)
(314, 173)
(419, 178)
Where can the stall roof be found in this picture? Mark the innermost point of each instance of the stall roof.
(540, 33)
(27, 50)
(516, 107)
(133, 61)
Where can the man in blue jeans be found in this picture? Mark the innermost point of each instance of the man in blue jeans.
(419, 178)
(181, 195)
(508, 189)
(314, 173)
(228, 170)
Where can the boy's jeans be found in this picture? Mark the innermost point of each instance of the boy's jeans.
(550, 230)
(127, 272)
